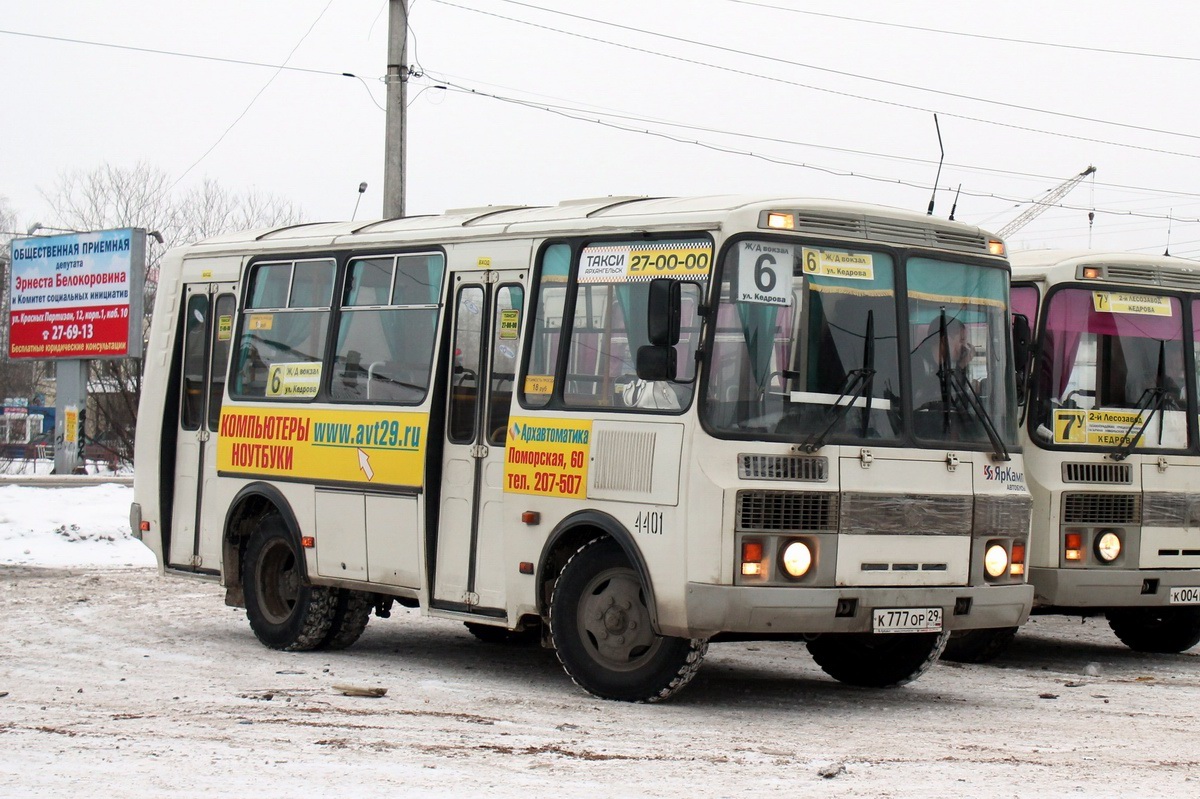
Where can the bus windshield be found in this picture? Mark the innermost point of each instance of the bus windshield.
(1112, 365)
(811, 351)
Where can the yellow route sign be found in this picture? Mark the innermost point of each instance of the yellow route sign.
(1122, 302)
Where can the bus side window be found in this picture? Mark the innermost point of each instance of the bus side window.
(505, 347)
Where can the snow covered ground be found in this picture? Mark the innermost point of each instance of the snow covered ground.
(115, 681)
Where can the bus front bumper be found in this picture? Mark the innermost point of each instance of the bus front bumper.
(1108, 588)
(782, 610)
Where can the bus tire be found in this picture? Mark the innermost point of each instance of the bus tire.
(1159, 630)
(492, 634)
(602, 632)
(978, 646)
(284, 610)
(877, 660)
(350, 617)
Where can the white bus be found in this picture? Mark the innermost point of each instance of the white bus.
(627, 426)
(1110, 443)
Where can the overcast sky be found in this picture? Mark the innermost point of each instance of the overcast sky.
(738, 96)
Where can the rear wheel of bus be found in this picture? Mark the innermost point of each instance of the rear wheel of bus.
(1160, 630)
(873, 660)
(285, 612)
(601, 627)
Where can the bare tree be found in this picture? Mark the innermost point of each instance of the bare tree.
(142, 196)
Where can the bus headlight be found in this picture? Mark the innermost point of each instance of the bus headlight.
(995, 560)
(1108, 546)
(797, 558)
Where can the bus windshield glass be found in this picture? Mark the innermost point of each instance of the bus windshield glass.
(1112, 366)
(962, 382)
(808, 344)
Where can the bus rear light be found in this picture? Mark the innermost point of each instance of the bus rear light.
(144, 527)
(1074, 548)
(752, 555)
(525, 567)
(531, 517)
(308, 542)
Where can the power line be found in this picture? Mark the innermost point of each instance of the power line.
(177, 54)
(798, 164)
(786, 62)
(615, 114)
(1057, 45)
(254, 99)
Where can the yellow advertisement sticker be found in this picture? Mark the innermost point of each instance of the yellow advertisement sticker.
(344, 446)
(260, 321)
(224, 327)
(510, 323)
(624, 262)
(844, 265)
(548, 457)
(539, 384)
(1122, 302)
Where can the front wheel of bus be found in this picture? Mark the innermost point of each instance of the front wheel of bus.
(1159, 630)
(285, 612)
(600, 624)
(876, 660)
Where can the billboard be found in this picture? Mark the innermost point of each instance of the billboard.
(77, 295)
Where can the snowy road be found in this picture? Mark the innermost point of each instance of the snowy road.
(123, 683)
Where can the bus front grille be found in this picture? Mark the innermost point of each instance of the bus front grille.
(801, 468)
(786, 511)
(1119, 473)
(1089, 508)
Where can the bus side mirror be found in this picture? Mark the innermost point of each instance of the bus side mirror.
(657, 360)
(663, 312)
(1022, 339)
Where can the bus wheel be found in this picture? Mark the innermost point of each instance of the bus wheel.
(350, 617)
(1162, 630)
(491, 634)
(601, 629)
(876, 660)
(284, 611)
(978, 646)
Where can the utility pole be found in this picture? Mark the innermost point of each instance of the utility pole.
(397, 100)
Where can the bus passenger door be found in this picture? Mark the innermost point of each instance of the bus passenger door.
(207, 334)
(469, 569)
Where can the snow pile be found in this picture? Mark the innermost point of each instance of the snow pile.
(69, 527)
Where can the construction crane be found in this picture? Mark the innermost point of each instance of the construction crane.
(1040, 205)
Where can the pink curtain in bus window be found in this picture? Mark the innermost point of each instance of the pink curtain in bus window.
(1071, 313)
(1024, 301)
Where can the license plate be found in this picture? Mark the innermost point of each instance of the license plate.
(1185, 596)
(907, 620)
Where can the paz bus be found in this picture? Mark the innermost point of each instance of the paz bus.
(623, 426)
(1110, 443)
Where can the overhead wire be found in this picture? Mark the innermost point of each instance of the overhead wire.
(966, 34)
(828, 70)
(787, 162)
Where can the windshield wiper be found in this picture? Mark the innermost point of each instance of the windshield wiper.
(858, 382)
(954, 380)
(1154, 399)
